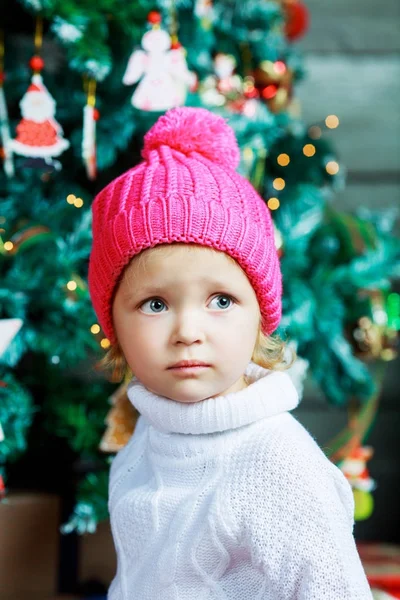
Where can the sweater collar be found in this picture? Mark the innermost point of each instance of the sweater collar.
(269, 393)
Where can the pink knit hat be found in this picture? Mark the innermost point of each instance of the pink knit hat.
(186, 190)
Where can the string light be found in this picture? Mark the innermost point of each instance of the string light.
(283, 160)
(71, 285)
(95, 328)
(278, 183)
(309, 150)
(273, 203)
(332, 121)
(315, 132)
(72, 199)
(105, 343)
(8, 246)
(332, 167)
(279, 67)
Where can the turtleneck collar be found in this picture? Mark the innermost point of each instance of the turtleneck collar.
(269, 393)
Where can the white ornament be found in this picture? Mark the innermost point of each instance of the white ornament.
(8, 330)
(163, 72)
(89, 141)
(298, 371)
(5, 135)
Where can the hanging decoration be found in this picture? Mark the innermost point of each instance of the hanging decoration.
(162, 72)
(354, 467)
(8, 330)
(39, 135)
(5, 136)
(375, 335)
(297, 19)
(274, 82)
(90, 116)
(228, 89)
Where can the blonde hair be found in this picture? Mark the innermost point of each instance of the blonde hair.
(270, 351)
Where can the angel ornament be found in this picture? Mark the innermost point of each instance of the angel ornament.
(161, 70)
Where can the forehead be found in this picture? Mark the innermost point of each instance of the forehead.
(184, 261)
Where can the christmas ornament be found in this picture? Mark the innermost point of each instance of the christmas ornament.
(375, 335)
(8, 330)
(226, 88)
(2, 488)
(296, 19)
(121, 421)
(355, 470)
(90, 116)
(162, 72)
(274, 81)
(38, 133)
(4, 122)
(298, 371)
(204, 11)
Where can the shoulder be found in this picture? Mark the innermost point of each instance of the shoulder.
(281, 461)
(125, 457)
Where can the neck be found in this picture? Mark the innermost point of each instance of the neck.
(268, 393)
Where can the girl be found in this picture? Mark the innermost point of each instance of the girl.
(220, 493)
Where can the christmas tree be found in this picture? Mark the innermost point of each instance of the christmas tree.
(83, 83)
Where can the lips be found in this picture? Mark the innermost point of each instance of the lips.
(189, 363)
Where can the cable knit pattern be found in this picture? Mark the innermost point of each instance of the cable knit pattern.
(187, 191)
(230, 499)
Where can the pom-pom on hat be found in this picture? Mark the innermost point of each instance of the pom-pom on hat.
(186, 190)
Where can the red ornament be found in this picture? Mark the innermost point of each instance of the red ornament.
(269, 92)
(2, 488)
(2, 77)
(96, 114)
(154, 17)
(297, 19)
(36, 63)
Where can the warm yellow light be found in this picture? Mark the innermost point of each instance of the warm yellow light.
(309, 150)
(315, 132)
(273, 203)
(283, 160)
(8, 246)
(105, 343)
(71, 198)
(71, 285)
(95, 328)
(332, 167)
(78, 202)
(332, 121)
(279, 183)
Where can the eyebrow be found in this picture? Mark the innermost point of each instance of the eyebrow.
(147, 289)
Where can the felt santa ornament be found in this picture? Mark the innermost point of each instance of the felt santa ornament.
(38, 133)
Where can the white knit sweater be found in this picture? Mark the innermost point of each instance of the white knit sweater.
(230, 498)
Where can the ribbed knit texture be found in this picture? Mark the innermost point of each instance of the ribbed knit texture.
(186, 190)
(230, 499)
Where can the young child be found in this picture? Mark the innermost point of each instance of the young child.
(220, 492)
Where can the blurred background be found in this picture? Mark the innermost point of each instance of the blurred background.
(311, 89)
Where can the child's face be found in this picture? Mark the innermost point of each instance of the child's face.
(190, 304)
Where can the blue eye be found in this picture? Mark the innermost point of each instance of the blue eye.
(155, 303)
(224, 301)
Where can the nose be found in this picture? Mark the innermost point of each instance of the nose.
(188, 328)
